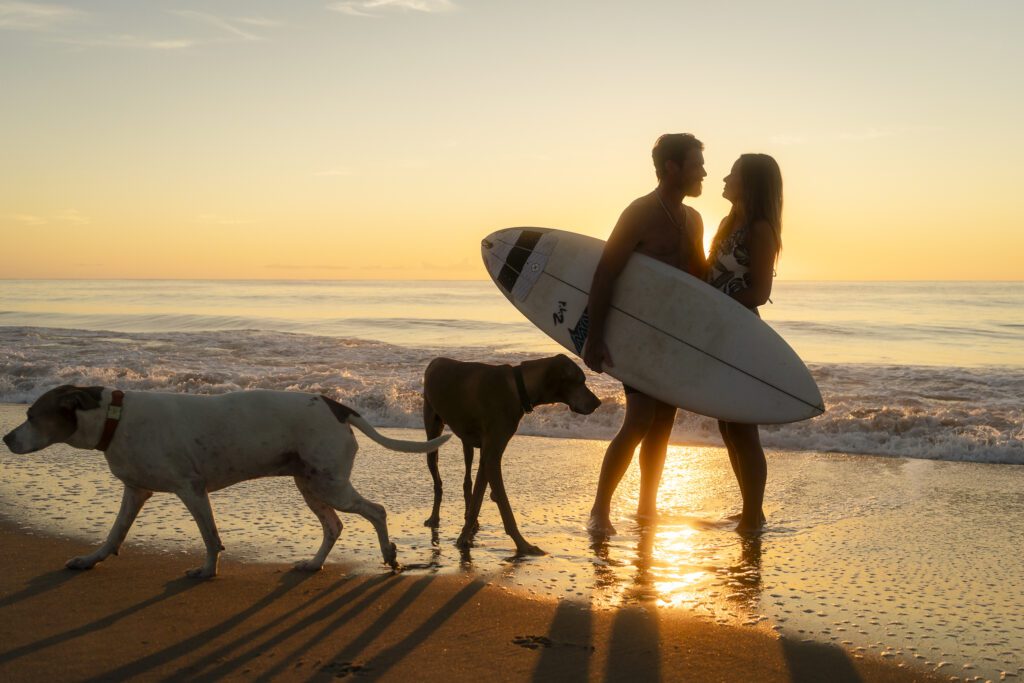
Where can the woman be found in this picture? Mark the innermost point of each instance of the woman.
(742, 264)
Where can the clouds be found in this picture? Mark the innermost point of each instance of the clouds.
(188, 28)
(69, 26)
(66, 217)
(235, 28)
(866, 134)
(373, 8)
(31, 16)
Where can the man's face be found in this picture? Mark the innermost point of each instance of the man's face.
(689, 175)
(693, 173)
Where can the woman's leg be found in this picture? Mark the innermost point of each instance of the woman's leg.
(653, 450)
(635, 423)
(753, 474)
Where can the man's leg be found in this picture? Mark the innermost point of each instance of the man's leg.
(653, 450)
(635, 423)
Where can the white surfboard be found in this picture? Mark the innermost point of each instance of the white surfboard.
(670, 335)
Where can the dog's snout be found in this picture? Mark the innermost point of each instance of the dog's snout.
(588, 405)
(11, 441)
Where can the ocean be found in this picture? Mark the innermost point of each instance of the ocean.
(875, 541)
(929, 370)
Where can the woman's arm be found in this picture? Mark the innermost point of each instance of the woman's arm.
(763, 248)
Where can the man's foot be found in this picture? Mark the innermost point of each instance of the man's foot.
(746, 528)
(600, 526)
(739, 515)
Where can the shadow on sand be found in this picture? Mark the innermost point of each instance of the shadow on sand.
(53, 580)
(39, 585)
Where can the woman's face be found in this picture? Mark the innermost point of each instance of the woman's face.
(733, 189)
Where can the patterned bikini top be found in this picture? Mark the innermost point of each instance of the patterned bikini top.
(729, 262)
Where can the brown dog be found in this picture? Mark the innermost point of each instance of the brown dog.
(483, 404)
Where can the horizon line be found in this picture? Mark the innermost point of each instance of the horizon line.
(394, 279)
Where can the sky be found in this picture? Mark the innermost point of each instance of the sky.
(382, 139)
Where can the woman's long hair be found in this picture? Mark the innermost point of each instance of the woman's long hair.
(761, 186)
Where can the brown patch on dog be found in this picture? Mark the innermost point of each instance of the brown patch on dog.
(55, 411)
(341, 412)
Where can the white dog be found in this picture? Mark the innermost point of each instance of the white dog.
(189, 445)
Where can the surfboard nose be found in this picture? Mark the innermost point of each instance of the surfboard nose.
(498, 237)
(515, 257)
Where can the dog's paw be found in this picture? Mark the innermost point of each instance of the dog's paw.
(529, 549)
(201, 573)
(81, 562)
(391, 558)
(308, 566)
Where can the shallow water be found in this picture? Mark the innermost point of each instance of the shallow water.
(914, 560)
(916, 369)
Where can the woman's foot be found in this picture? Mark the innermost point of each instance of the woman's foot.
(646, 516)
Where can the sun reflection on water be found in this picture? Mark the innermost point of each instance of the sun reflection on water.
(690, 556)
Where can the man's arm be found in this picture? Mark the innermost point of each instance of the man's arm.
(763, 248)
(620, 246)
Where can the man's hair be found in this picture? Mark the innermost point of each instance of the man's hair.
(673, 147)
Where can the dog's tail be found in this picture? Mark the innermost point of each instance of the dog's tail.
(396, 444)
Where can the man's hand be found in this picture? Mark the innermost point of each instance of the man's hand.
(596, 355)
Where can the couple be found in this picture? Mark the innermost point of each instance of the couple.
(741, 264)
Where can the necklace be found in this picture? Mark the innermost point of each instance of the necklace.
(669, 213)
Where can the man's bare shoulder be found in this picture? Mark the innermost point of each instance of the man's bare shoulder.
(641, 211)
(643, 204)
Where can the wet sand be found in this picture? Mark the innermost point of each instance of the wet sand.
(137, 617)
(908, 562)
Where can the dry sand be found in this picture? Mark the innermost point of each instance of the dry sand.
(137, 617)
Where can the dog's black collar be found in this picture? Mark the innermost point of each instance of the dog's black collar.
(524, 398)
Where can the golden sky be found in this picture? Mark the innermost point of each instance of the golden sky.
(384, 138)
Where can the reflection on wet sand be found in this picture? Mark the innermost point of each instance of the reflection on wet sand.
(672, 564)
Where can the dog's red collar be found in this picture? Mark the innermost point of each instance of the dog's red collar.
(113, 418)
(524, 398)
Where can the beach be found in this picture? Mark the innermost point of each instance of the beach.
(139, 618)
(882, 567)
(894, 520)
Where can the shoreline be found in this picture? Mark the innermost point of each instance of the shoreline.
(879, 558)
(138, 616)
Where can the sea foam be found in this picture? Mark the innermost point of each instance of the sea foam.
(940, 413)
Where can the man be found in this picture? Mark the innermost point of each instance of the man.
(660, 226)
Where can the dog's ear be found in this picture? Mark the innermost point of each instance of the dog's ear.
(80, 398)
(567, 368)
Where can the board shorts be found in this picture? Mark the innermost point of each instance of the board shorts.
(630, 390)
